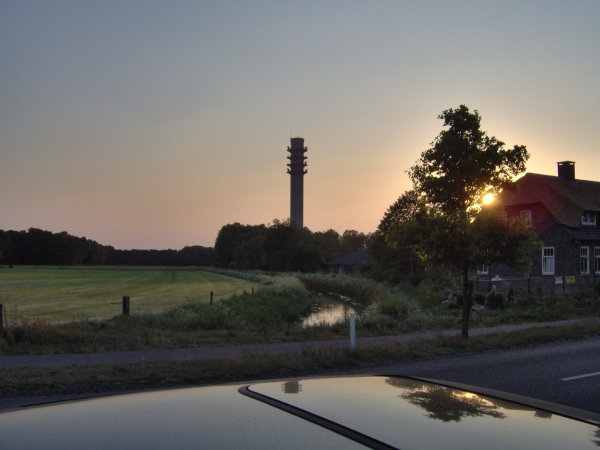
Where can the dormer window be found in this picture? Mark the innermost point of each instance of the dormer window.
(588, 218)
(526, 214)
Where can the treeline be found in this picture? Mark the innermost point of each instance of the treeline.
(282, 246)
(39, 247)
(194, 255)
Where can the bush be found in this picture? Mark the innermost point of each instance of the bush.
(511, 296)
(479, 298)
(280, 300)
(357, 288)
(395, 307)
(495, 300)
(192, 316)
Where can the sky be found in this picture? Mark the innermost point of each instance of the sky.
(151, 124)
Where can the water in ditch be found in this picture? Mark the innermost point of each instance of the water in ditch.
(329, 309)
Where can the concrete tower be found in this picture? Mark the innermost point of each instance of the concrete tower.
(296, 169)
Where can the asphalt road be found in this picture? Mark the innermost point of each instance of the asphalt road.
(537, 372)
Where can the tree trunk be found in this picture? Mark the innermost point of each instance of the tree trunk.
(467, 302)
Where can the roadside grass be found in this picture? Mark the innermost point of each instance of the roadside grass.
(267, 315)
(118, 378)
(258, 318)
(269, 311)
(79, 293)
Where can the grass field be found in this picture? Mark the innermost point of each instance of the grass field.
(64, 294)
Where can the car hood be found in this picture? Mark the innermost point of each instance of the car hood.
(388, 412)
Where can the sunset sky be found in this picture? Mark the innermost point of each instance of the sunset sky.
(151, 124)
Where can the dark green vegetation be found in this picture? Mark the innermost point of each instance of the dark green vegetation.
(39, 247)
(90, 379)
(45, 248)
(281, 247)
(273, 313)
(264, 316)
(442, 219)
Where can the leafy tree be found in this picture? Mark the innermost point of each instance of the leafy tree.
(36, 246)
(353, 240)
(281, 246)
(451, 179)
(399, 260)
(329, 242)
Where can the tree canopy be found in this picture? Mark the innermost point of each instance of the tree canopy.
(443, 219)
(40, 247)
(281, 246)
(395, 260)
(464, 163)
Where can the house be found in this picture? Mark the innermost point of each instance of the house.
(350, 262)
(565, 212)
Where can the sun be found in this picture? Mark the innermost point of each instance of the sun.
(488, 198)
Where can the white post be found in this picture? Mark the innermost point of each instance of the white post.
(352, 332)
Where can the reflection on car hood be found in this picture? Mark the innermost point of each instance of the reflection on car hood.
(415, 414)
(396, 412)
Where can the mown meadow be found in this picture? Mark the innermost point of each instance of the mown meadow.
(75, 293)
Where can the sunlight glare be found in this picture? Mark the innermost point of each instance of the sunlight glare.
(488, 198)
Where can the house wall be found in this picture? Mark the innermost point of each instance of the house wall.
(336, 268)
(552, 234)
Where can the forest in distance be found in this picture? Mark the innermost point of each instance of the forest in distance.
(44, 248)
(279, 246)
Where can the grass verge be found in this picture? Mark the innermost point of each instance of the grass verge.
(117, 378)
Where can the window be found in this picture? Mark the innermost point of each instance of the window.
(483, 270)
(584, 259)
(597, 259)
(588, 218)
(526, 214)
(548, 261)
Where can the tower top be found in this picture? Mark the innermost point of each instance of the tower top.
(297, 143)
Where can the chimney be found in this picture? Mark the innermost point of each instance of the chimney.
(566, 170)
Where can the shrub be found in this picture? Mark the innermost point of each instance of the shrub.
(395, 307)
(283, 301)
(192, 316)
(495, 300)
(479, 298)
(372, 318)
(511, 296)
(358, 288)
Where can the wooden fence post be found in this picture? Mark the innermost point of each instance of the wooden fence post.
(1, 318)
(125, 306)
(211, 297)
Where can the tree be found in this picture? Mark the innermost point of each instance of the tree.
(353, 240)
(396, 260)
(452, 177)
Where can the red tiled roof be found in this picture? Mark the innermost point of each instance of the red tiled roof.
(566, 200)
